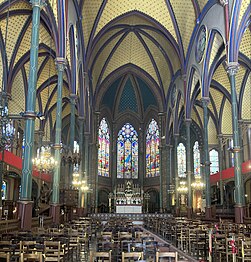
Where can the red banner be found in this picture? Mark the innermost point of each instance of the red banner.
(16, 161)
(229, 172)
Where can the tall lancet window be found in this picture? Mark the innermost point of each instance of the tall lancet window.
(181, 157)
(127, 152)
(152, 149)
(103, 148)
(196, 159)
(214, 159)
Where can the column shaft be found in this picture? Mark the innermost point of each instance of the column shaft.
(220, 169)
(232, 69)
(175, 160)
(205, 102)
(188, 168)
(56, 177)
(72, 123)
(86, 166)
(25, 205)
(30, 114)
(81, 167)
(168, 178)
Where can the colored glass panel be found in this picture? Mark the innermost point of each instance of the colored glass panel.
(4, 190)
(127, 152)
(152, 150)
(231, 145)
(214, 159)
(103, 148)
(196, 159)
(181, 157)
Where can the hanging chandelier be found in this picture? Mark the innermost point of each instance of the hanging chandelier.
(80, 184)
(44, 162)
(75, 181)
(198, 184)
(182, 189)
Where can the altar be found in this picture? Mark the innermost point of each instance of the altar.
(128, 209)
(128, 198)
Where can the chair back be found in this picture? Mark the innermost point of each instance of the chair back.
(53, 251)
(166, 256)
(100, 256)
(131, 256)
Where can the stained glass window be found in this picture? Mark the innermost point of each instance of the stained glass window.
(214, 159)
(4, 190)
(152, 149)
(127, 152)
(76, 147)
(181, 157)
(103, 148)
(196, 159)
(231, 145)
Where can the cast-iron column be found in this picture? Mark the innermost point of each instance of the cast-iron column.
(81, 167)
(96, 174)
(208, 210)
(232, 68)
(175, 160)
(55, 205)
(188, 168)
(220, 137)
(161, 116)
(73, 98)
(25, 203)
(168, 178)
(86, 169)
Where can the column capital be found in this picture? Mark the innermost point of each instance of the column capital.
(29, 115)
(38, 3)
(161, 114)
(60, 63)
(188, 121)
(39, 132)
(220, 135)
(223, 2)
(205, 101)
(184, 77)
(81, 118)
(232, 68)
(57, 146)
(73, 98)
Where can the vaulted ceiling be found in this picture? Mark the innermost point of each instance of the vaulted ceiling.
(148, 41)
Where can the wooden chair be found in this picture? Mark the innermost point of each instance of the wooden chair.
(5, 250)
(131, 256)
(53, 251)
(29, 251)
(166, 256)
(100, 256)
(244, 253)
